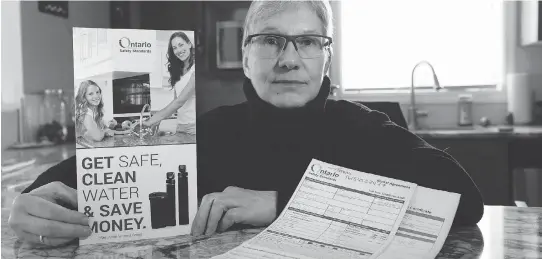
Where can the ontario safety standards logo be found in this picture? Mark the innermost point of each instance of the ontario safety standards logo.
(129, 46)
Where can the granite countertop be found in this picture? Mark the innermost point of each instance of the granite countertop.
(129, 140)
(14, 182)
(484, 132)
(504, 232)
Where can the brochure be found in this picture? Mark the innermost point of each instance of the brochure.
(136, 156)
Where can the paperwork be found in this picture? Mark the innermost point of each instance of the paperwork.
(336, 212)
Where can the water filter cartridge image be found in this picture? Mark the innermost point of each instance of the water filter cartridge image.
(183, 195)
(170, 189)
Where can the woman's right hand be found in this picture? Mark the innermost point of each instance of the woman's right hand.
(43, 212)
(146, 123)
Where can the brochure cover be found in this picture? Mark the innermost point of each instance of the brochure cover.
(135, 129)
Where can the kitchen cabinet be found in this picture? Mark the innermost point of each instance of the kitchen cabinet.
(160, 74)
(531, 23)
(214, 15)
(169, 15)
(91, 46)
(497, 163)
(486, 161)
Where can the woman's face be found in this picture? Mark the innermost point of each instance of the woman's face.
(287, 81)
(93, 95)
(181, 48)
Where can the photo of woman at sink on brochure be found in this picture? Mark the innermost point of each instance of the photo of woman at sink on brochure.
(144, 106)
(181, 59)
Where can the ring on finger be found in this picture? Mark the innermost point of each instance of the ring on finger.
(42, 239)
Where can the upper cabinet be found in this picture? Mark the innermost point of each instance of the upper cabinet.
(91, 46)
(531, 23)
(221, 38)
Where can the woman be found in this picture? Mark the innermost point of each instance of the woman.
(251, 156)
(182, 80)
(89, 112)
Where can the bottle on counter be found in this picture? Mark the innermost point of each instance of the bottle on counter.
(464, 112)
(54, 112)
(62, 114)
(49, 106)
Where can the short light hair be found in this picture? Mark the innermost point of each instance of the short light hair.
(263, 9)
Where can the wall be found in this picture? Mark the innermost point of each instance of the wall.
(38, 55)
(12, 68)
(12, 71)
(212, 93)
(522, 59)
(47, 43)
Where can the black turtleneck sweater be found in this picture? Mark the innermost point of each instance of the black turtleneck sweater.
(257, 146)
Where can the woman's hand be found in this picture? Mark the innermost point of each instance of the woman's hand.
(109, 132)
(41, 212)
(146, 123)
(219, 211)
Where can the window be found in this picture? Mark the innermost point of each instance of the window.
(382, 41)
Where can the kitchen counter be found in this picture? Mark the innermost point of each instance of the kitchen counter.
(503, 232)
(483, 132)
(129, 140)
(16, 181)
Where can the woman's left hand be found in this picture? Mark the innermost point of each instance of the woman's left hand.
(112, 124)
(219, 211)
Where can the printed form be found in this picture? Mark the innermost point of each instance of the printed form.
(425, 225)
(334, 213)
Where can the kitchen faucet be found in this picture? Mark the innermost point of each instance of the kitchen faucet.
(141, 119)
(413, 112)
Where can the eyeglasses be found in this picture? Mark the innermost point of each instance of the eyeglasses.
(272, 45)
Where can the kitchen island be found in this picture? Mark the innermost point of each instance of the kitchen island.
(502, 161)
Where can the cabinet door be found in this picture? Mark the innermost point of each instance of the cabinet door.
(215, 14)
(120, 15)
(170, 15)
(486, 161)
(164, 61)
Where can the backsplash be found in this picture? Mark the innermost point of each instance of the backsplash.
(445, 116)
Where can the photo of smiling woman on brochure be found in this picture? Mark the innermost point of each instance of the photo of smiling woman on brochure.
(181, 67)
